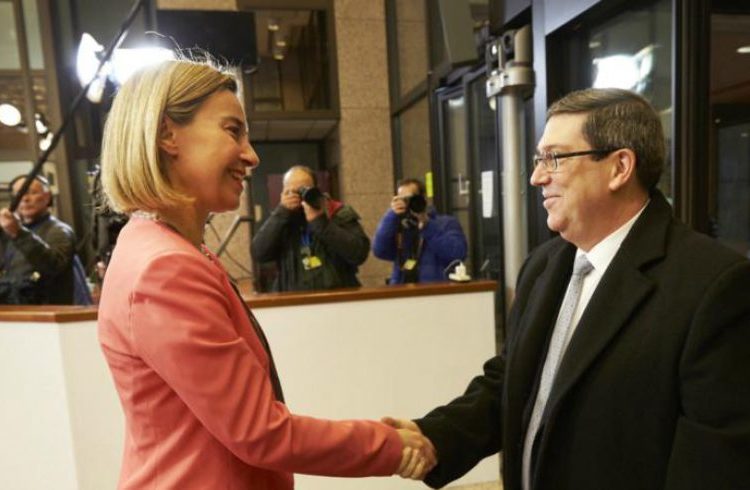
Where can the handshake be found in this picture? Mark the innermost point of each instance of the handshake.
(418, 456)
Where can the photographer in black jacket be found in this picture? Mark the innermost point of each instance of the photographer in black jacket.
(316, 242)
(37, 250)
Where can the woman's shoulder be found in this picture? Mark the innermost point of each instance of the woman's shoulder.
(147, 248)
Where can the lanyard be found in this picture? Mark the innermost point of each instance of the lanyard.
(306, 240)
(306, 236)
(400, 247)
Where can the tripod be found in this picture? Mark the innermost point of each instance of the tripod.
(248, 218)
(231, 231)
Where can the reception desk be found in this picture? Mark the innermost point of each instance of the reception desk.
(354, 353)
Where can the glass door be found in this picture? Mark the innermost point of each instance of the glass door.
(456, 170)
(482, 141)
(470, 178)
(729, 133)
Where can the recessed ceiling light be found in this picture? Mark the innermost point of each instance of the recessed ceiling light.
(743, 50)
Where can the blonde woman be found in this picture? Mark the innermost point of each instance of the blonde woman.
(203, 405)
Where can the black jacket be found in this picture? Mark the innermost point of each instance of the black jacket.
(653, 390)
(339, 242)
(37, 266)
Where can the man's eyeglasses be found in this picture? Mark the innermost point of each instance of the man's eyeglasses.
(551, 160)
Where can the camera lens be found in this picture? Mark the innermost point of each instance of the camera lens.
(312, 196)
(417, 203)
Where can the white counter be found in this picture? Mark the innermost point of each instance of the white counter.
(338, 355)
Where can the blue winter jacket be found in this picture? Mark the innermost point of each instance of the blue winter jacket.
(444, 242)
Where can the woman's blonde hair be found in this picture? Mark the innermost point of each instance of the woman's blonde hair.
(133, 174)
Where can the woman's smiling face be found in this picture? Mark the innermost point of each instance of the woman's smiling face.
(208, 157)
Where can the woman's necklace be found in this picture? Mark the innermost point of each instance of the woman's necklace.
(154, 217)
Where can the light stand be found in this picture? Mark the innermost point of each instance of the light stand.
(16, 200)
(247, 218)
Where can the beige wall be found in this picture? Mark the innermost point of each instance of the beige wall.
(363, 150)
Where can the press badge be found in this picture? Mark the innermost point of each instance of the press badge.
(409, 264)
(311, 262)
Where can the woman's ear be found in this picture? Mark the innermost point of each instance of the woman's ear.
(624, 169)
(167, 136)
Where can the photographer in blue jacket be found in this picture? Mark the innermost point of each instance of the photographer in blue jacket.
(420, 243)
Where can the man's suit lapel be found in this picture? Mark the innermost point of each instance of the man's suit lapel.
(534, 328)
(619, 293)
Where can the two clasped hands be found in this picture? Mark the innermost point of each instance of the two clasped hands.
(419, 455)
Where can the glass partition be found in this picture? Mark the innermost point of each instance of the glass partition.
(458, 171)
(729, 135)
(630, 49)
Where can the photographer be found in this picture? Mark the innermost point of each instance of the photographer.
(37, 250)
(316, 242)
(420, 242)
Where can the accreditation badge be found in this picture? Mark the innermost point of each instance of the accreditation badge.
(311, 262)
(409, 264)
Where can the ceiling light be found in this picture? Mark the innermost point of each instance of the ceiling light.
(10, 115)
(45, 142)
(273, 25)
(744, 49)
(41, 125)
(281, 43)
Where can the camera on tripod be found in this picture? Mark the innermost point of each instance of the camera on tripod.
(312, 196)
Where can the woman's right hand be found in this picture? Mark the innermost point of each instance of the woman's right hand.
(418, 456)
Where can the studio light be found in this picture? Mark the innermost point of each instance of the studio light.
(630, 72)
(87, 62)
(123, 64)
(618, 71)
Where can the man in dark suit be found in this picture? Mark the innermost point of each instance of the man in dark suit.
(631, 371)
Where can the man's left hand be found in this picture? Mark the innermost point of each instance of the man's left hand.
(311, 213)
(9, 222)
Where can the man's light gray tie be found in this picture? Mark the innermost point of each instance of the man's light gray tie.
(557, 345)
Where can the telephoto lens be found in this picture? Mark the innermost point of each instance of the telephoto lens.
(312, 196)
(416, 203)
